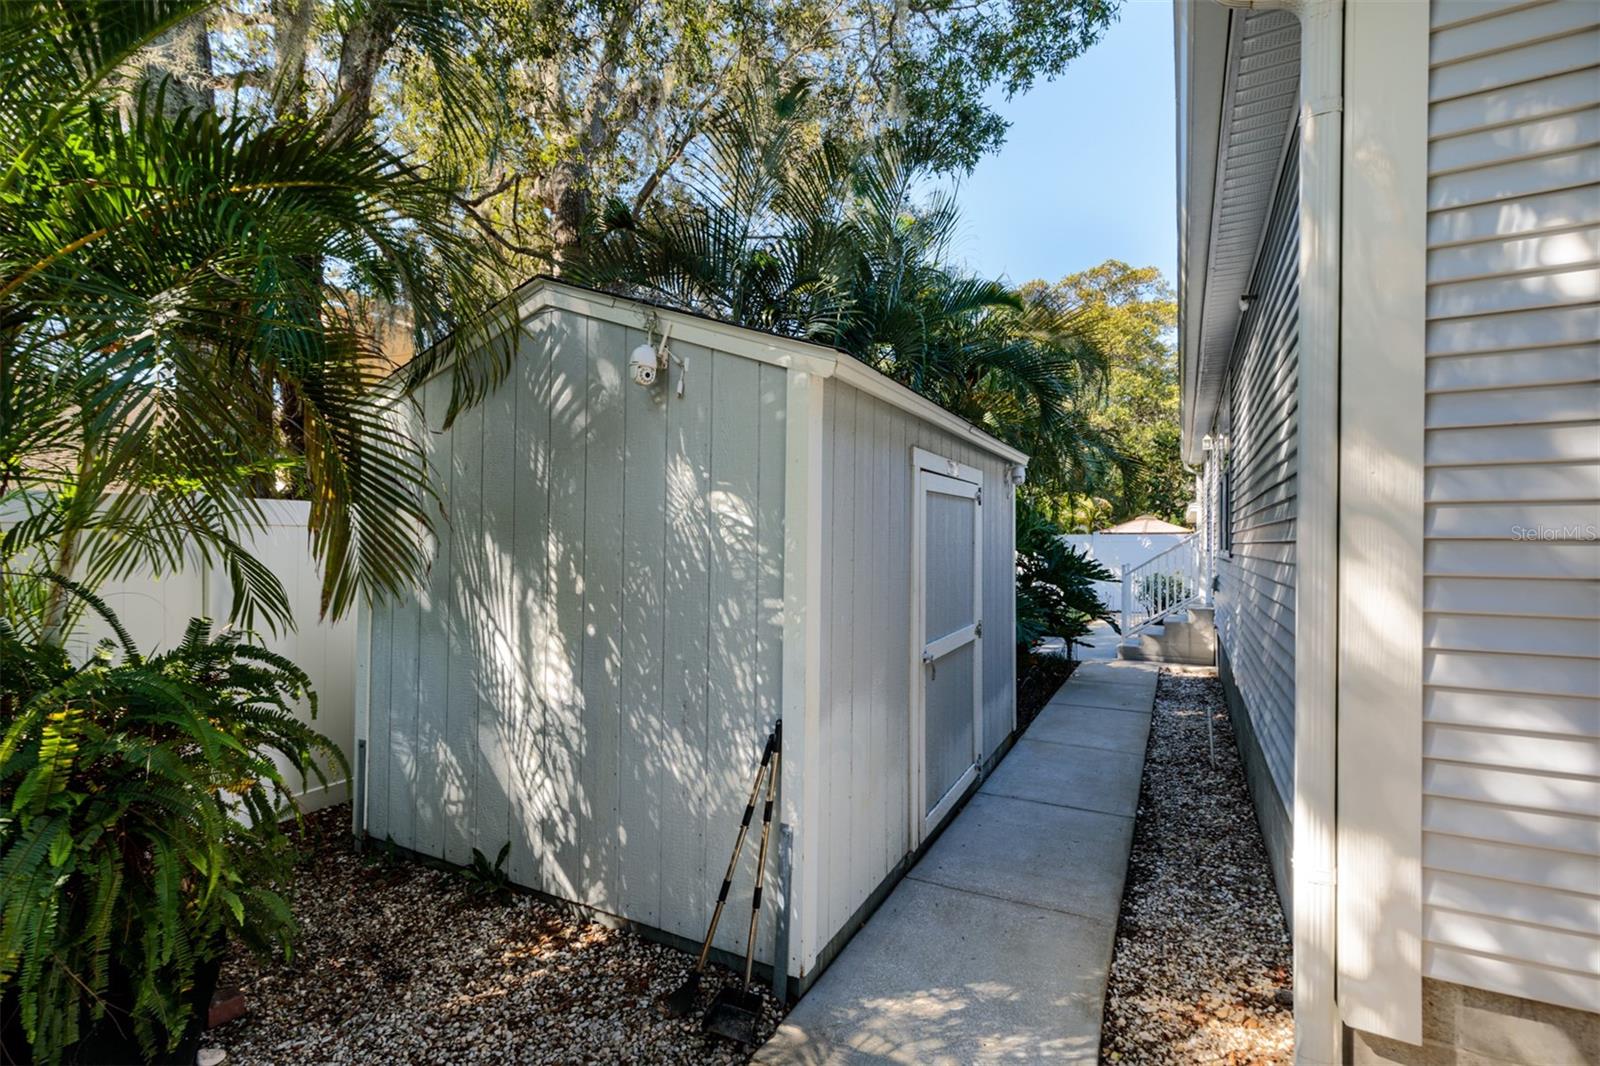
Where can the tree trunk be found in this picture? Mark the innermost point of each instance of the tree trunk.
(361, 56)
(293, 20)
(182, 59)
(567, 198)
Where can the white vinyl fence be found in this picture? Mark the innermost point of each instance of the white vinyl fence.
(1118, 552)
(155, 612)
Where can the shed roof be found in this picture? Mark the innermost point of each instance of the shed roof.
(543, 292)
(1146, 523)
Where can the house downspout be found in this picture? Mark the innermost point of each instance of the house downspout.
(1318, 1030)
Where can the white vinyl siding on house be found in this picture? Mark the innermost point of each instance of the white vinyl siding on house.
(1256, 587)
(867, 514)
(1511, 705)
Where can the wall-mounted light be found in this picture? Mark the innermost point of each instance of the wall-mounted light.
(1245, 300)
(1017, 474)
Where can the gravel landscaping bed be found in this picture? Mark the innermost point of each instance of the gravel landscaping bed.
(1201, 971)
(398, 962)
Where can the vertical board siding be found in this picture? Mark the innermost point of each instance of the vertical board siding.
(600, 682)
(734, 720)
(523, 720)
(643, 771)
(435, 663)
(496, 618)
(458, 760)
(1256, 594)
(1511, 704)
(596, 654)
(566, 806)
(866, 703)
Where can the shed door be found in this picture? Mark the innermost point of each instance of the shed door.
(946, 729)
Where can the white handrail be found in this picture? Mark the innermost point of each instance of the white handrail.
(1164, 584)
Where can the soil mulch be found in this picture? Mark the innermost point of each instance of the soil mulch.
(400, 962)
(1039, 676)
(1202, 966)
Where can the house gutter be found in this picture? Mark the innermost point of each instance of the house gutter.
(1318, 1029)
(1201, 31)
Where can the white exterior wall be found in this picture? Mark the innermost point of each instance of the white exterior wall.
(1510, 716)
(1255, 597)
(867, 516)
(593, 668)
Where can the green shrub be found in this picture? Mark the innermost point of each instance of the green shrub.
(139, 826)
(1055, 582)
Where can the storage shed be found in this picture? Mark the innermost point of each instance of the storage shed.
(632, 582)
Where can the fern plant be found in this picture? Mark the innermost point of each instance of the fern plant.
(139, 828)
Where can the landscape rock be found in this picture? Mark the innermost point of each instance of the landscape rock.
(1202, 964)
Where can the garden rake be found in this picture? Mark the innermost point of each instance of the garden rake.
(680, 1002)
(737, 1014)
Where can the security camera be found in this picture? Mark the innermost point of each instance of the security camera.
(643, 365)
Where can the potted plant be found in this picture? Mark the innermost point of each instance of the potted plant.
(139, 833)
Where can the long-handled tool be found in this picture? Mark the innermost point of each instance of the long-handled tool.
(680, 1002)
(737, 1014)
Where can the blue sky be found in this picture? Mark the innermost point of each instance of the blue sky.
(1086, 173)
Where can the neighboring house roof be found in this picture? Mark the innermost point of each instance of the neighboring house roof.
(1146, 524)
(1238, 94)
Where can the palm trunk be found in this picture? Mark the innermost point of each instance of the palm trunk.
(53, 625)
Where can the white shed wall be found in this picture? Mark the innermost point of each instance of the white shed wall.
(1511, 706)
(867, 515)
(598, 655)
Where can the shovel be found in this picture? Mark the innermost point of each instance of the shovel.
(679, 1002)
(737, 1014)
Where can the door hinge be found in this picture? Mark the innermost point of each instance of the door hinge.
(977, 630)
(980, 497)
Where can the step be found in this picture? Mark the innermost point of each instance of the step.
(1151, 652)
(1175, 640)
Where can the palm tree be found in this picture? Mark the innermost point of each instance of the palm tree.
(779, 229)
(167, 275)
(751, 232)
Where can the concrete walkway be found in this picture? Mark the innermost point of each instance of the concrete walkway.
(1097, 645)
(995, 946)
